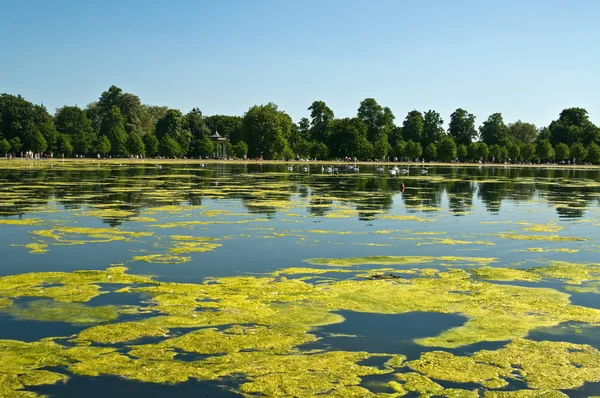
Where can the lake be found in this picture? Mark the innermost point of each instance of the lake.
(250, 279)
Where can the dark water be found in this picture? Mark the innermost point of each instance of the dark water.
(469, 204)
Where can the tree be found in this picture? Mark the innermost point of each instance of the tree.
(478, 151)
(15, 144)
(131, 110)
(399, 149)
(413, 150)
(593, 153)
(266, 130)
(382, 147)
(73, 122)
(493, 130)
(461, 152)
(350, 138)
(446, 149)
(462, 127)
(171, 124)
(240, 149)
(433, 128)
(562, 151)
(37, 142)
(151, 144)
(321, 116)
(430, 152)
(113, 128)
(4, 146)
(204, 147)
(412, 128)
(319, 150)
(523, 133)
(103, 145)
(578, 152)
(135, 144)
(228, 126)
(498, 153)
(64, 144)
(573, 125)
(513, 150)
(376, 118)
(528, 152)
(194, 122)
(544, 150)
(150, 115)
(169, 147)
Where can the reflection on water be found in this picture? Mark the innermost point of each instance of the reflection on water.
(438, 233)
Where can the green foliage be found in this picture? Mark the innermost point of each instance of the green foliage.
(64, 144)
(240, 149)
(573, 125)
(461, 152)
(446, 149)
(135, 144)
(15, 144)
(37, 142)
(382, 147)
(562, 151)
(430, 152)
(493, 130)
(513, 150)
(578, 152)
(544, 151)
(151, 144)
(113, 128)
(228, 126)
(478, 151)
(376, 118)
(320, 118)
(433, 128)
(593, 153)
(103, 145)
(498, 153)
(4, 146)
(73, 122)
(319, 150)
(528, 152)
(462, 127)
(413, 150)
(412, 128)
(266, 131)
(204, 146)
(399, 148)
(168, 147)
(350, 136)
(523, 133)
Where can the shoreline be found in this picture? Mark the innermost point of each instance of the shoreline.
(128, 161)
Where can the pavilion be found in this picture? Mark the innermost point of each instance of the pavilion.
(220, 144)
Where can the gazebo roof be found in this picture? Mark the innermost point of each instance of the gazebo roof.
(217, 137)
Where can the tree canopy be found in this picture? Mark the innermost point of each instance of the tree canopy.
(119, 123)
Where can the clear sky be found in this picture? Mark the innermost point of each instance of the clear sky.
(528, 59)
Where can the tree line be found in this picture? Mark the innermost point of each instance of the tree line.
(119, 125)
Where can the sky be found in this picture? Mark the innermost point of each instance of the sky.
(527, 59)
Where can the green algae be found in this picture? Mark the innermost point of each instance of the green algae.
(446, 366)
(119, 332)
(24, 221)
(543, 228)
(74, 313)
(162, 258)
(72, 235)
(549, 238)
(406, 218)
(397, 260)
(37, 248)
(525, 394)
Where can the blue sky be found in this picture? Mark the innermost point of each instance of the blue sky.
(526, 59)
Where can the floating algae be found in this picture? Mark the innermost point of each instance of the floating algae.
(162, 258)
(73, 313)
(24, 221)
(543, 228)
(557, 250)
(407, 218)
(549, 238)
(398, 260)
(66, 235)
(37, 248)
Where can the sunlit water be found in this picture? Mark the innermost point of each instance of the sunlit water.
(266, 217)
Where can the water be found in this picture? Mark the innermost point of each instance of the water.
(265, 218)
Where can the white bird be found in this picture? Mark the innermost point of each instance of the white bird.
(158, 166)
(404, 171)
(322, 169)
(380, 169)
(201, 164)
(305, 169)
(290, 168)
(424, 171)
(393, 172)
